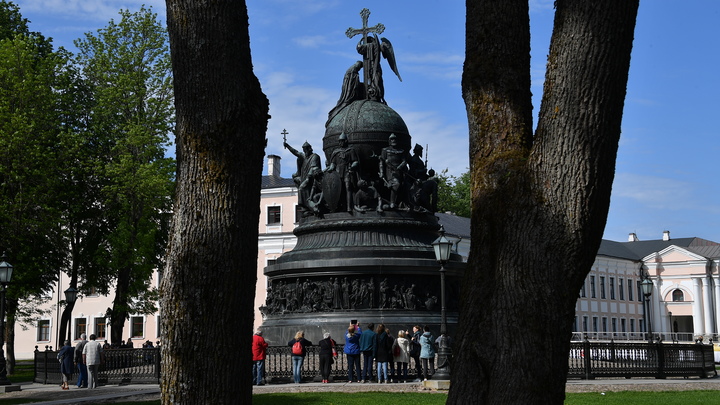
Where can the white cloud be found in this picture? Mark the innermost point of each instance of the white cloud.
(663, 193)
(100, 10)
(311, 41)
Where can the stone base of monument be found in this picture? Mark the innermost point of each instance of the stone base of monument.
(437, 384)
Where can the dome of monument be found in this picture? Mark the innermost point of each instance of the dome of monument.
(368, 125)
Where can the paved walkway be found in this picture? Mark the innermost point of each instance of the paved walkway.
(50, 394)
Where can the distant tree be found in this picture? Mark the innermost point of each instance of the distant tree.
(539, 201)
(126, 66)
(208, 286)
(454, 193)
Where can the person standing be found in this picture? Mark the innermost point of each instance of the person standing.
(391, 362)
(401, 347)
(298, 350)
(326, 356)
(415, 350)
(427, 353)
(82, 381)
(93, 357)
(66, 356)
(367, 347)
(352, 351)
(259, 352)
(382, 354)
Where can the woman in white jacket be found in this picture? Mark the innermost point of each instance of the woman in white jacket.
(401, 357)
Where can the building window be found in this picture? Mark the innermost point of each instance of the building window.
(298, 213)
(595, 324)
(92, 291)
(612, 288)
(678, 295)
(100, 326)
(641, 325)
(639, 291)
(613, 325)
(623, 325)
(592, 287)
(602, 287)
(137, 325)
(575, 324)
(604, 324)
(43, 330)
(630, 290)
(80, 327)
(632, 326)
(273, 215)
(585, 323)
(621, 289)
(582, 291)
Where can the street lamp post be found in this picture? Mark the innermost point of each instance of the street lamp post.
(442, 248)
(647, 287)
(6, 270)
(70, 297)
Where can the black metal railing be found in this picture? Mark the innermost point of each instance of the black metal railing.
(589, 360)
(278, 366)
(122, 366)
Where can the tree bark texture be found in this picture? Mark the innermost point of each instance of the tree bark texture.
(539, 202)
(208, 285)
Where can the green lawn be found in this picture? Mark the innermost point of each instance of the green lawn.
(24, 372)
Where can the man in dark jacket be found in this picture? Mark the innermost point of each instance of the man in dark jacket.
(367, 347)
(82, 379)
(415, 350)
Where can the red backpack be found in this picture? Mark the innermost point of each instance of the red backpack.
(297, 348)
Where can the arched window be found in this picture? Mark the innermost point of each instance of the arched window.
(678, 296)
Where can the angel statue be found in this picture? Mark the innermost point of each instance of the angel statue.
(371, 47)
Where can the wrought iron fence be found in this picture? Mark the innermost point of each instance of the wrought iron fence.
(122, 366)
(589, 360)
(278, 366)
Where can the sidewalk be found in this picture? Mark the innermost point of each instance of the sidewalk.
(51, 394)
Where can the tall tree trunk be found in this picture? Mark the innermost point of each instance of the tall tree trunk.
(119, 312)
(539, 204)
(209, 281)
(10, 311)
(65, 324)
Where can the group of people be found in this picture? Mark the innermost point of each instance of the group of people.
(375, 347)
(391, 355)
(87, 356)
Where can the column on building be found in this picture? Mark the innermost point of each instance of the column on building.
(656, 301)
(698, 322)
(707, 305)
(716, 279)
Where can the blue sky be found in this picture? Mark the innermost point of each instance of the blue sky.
(665, 174)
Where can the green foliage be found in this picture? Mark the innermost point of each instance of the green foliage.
(30, 219)
(126, 67)
(454, 193)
